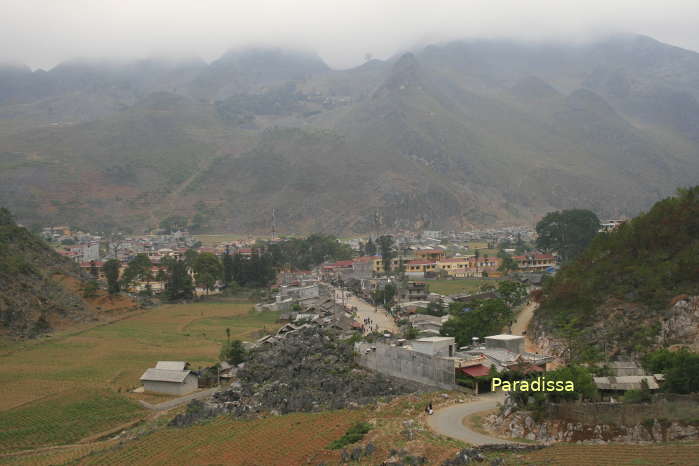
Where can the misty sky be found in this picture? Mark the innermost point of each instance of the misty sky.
(41, 33)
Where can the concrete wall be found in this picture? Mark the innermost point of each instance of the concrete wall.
(172, 388)
(405, 364)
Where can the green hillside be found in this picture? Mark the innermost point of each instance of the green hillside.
(619, 291)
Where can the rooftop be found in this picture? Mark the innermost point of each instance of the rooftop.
(163, 375)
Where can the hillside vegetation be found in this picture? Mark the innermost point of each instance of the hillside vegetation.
(452, 135)
(620, 289)
(31, 296)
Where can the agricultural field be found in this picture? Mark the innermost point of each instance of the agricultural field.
(449, 287)
(613, 455)
(69, 369)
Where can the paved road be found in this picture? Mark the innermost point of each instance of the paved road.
(367, 311)
(165, 405)
(449, 421)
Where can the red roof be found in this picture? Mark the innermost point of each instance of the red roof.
(341, 264)
(366, 258)
(455, 259)
(430, 251)
(420, 261)
(87, 264)
(479, 370)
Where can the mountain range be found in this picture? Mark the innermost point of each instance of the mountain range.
(449, 136)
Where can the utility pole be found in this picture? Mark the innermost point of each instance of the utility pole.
(274, 224)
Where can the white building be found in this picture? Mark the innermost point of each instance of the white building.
(434, 346)
(171, 378)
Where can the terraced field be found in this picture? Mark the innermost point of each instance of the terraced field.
(64, 418)
(614, 455)
(62, 374)
(284, 440)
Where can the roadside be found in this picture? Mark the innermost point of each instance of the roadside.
(449, 421)
(379, 317)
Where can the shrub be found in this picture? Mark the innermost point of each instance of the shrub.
(353, 435)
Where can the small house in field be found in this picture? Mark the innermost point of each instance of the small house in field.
(170, 377)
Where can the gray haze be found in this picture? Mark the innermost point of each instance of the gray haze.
(41, 33)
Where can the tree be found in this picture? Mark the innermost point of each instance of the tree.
(386, 247)
(681, 369)
(568, 232)
(370, 248)
(513, 293)
(232, 352)
(207, 270)
(90, 290)
(173, 223)
(228, 271)
(138, 269)
(111, 272)
(179, 285)
(508, 264)
(485, 318)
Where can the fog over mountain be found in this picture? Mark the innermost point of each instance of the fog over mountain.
(43, 34)
(450, 135)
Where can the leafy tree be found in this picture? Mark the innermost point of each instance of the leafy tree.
(90, 289)
(173, 223)
(370, 248)
(308, 252)
(233, 352)
(228, 271)
(568, 232)
(411, 333)
(513, 293)
(386, 247)
(111, 272)
(584, 384)
(179, 285)
(484, 318)
(138, 269)
(508, 264)
(681, 369)
(6, 218)
(207, 270)
(385, 296)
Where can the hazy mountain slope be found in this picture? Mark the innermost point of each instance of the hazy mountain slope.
(32, 298)
(458, 134)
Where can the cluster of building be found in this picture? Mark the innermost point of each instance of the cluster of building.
(434, 263)
(437, 361)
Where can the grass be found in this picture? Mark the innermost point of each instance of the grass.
(353, 435)
(109, 359)
(449, 287)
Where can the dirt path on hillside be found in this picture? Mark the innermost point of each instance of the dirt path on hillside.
(519, 327)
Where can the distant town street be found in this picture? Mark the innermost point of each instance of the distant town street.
(365, 310)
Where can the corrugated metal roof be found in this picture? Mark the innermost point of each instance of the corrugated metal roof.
(171, 365)
(163, 375)
(628, 382)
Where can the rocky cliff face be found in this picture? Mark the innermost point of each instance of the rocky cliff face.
(681, 324)
(521, 425)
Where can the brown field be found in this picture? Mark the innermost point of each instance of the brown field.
(614, 455)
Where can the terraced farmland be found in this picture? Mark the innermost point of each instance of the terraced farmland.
(284, 440)
(65, 371)
(64, 418)
(613, 455)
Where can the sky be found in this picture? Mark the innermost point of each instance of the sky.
(42, 33)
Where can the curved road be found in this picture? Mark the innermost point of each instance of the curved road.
(449, 421)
